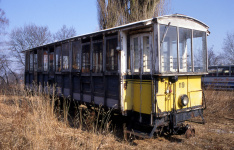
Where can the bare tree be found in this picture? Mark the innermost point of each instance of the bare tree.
(27, 37)
(4, 65)
(7, 75)
(228, 48)
(3, 21)
(213, 59)
(3, 24)
(117, 12)
(64, 33)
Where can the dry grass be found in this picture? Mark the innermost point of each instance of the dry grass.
(28, 122)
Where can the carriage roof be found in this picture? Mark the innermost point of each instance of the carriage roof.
(178, 20)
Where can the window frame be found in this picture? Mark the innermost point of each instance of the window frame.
(35, 61)
(27, 61)
(58, 63)
(31, 61)
(115, 52)
(205, 67)
(100, 51)
(65, 49)
(47, 51)
(141, 53)
(51, 53)
(168, 63)
(79, 51)
(205, 70)
(40, 61)
(85, 69)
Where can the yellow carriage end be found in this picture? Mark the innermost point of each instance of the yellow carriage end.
(186, 85)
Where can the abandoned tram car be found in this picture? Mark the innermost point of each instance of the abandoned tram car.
(148, 70)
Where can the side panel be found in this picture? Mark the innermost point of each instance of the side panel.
(195, 91)
(161, 97)
(66, 84)
(138, 95)
(128, 94)
(181, 88)
(27, 82)
(112, 91)
(98, 85)
(76, 87)
(45, 79)
(59, 83)
(31, 79)
(86, 88)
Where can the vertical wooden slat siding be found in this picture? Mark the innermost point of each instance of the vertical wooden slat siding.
(98, 86)
(76, 84)
(91, 68)
(70, 70)
(66, 85)
(61, 54)
(119, 67)
(48, 58)
(104, 68)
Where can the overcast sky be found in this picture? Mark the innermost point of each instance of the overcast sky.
(82, 15)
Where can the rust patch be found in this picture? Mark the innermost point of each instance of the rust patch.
(125, 85)
(192, 115)
(159, 110)
(190, 133)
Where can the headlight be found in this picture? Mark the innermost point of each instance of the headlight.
(184, 100)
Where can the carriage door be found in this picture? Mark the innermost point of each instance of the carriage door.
(141, 66)
(141, 54)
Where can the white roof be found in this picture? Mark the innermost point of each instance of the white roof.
(143, 22)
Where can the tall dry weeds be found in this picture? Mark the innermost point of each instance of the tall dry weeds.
(28, 121)
(220, 104)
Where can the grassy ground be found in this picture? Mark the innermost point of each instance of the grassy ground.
(28, 122)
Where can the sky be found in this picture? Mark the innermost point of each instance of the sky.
(82, 15)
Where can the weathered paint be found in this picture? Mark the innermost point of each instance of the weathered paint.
(138, 99)
(189, 85)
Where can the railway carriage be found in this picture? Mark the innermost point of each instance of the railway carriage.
(219, 78)
(150, 70)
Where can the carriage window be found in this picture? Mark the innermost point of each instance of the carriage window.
(97, 57)
(223, 71)
(212, 72)
(85, 58)
(146, 54)
(39, 60)
(111, 55)
(220, 70)
(45, 61)
(31, 61)
(199, 51)
(168, 46)
(27, 59)
(232, 70)
(51, 61)
(65, 53)
(136, 54)
(35, 62)
(226, 71)
(185, 50)
(76, 56)
(58, 58)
